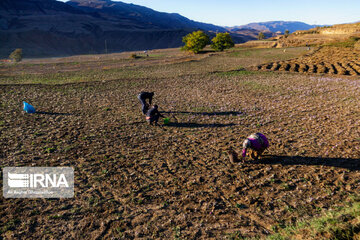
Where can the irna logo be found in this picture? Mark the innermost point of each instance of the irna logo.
(36, 180)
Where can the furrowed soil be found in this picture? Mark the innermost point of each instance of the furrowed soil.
(135, 181)
(324, 60)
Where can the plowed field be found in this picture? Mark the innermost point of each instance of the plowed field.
(135, 181)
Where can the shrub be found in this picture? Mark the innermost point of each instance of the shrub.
(222, 41)
(16, 55)
(261, 36)
(195, 41)
(134, 56)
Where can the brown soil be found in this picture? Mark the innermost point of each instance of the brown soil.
(326, 60)
(137, 181)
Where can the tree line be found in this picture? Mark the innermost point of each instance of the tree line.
(196, 41)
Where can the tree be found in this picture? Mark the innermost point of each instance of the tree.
(16, 55)
(195, 42)
(261, 36)
(287, 33)
(222, 41)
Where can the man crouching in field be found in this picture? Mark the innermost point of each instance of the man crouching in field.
(153, 115)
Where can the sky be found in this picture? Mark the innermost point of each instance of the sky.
(240, 12)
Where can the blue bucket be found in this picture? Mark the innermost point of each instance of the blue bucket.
(28, 108)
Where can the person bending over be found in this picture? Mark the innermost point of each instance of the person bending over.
(142, 97)
(256, 144)
(153, 115)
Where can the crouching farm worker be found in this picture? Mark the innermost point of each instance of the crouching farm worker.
(153, 115)
(255, 144)
(142, 97)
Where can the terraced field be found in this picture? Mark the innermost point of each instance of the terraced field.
(325, 60)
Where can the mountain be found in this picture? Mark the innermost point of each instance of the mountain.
(134, 16)
(45, 28)
(250, 34)
(275, 26)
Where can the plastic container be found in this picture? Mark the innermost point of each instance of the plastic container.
(166, 121)
(28, 108)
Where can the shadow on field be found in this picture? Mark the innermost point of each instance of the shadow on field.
(199, 125)
(348, 163)
(206, 51)
(54, 113)
(132, 123)
(205, 113)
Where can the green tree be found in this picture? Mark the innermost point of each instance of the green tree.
(16, 55)
(195, 42)
(222, 41)
(261, 36)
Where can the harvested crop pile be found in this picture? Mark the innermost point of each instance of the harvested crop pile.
(327, 60)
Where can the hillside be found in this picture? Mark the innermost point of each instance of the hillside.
(251, 34)
(331, 50)
(318, 36)
(52, 28)
(130, 16)
(48, 28)
(275, 26)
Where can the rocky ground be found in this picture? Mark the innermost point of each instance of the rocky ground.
(176, 181)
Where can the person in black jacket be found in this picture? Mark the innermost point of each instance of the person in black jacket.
(142, 97)
(153, 115)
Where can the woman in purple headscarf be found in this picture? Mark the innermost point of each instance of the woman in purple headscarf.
(256, 143)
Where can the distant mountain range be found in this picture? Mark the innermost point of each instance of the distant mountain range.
(52, 28)
(275, 26)
(44, 28)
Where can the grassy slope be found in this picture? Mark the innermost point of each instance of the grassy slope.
(339, 223)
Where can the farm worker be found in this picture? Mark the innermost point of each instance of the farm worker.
(257, 143)
(142, 97)
(153, 115)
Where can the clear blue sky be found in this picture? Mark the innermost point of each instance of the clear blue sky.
(239, 12)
